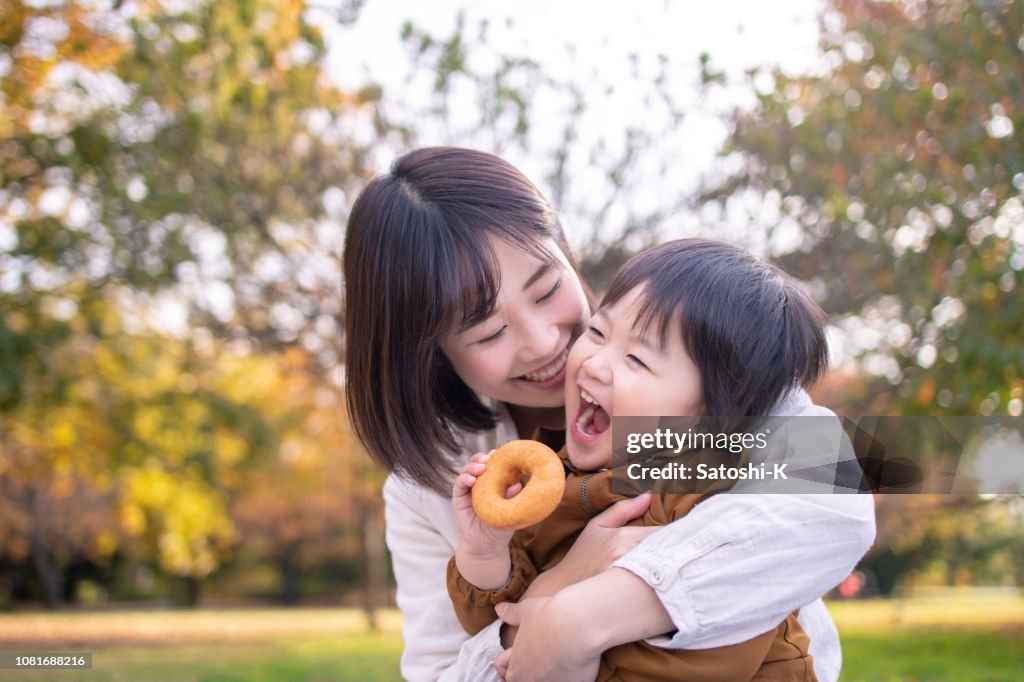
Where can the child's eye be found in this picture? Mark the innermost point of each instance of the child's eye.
(551, 293)
(494, 336)
(637, 361)
(596, 332)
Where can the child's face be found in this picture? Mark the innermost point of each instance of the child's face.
(518, 354)
(612, 370)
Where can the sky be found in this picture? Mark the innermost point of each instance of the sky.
(612, 51)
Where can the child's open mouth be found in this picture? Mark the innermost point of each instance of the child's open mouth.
(591, 419)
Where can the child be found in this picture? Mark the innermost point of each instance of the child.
(692, 327)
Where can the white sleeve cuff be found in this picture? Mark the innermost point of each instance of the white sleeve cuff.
(476, 657)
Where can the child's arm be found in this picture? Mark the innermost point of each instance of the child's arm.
(489, 566)
(482, 556)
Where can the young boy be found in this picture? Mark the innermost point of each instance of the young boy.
(688, 328)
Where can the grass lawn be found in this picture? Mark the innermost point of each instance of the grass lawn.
(954, 636)
(210, 645)
(962, 637)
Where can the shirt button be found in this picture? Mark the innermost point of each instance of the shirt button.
(657, 577)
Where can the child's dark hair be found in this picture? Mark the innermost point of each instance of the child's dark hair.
(418, 266)
(752, 331)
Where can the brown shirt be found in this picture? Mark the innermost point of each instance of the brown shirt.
(778, 655)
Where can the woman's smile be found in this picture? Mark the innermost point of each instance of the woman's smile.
(550, 374)
(519, 353)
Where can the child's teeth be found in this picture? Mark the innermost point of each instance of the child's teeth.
(589, 398)
(585, 416)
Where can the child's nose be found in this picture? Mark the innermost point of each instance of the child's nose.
(597, 368)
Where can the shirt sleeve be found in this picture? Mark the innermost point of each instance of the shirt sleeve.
(475, 607)
(737, 565)
(436, 648)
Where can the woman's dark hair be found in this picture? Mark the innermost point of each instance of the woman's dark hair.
(752, 331)
(419, 266)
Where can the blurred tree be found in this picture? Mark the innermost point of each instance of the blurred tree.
(161, 164)
(197, 148)
(142, 444)
(295, 509)
(57, 480)
(602, 186)
(51, 521)
(899, 172)
(893, 181)
(87, 444)
(38, 43)
(946, 540)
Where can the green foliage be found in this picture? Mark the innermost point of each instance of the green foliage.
(172, 144)
(166, 170)
(902, 164)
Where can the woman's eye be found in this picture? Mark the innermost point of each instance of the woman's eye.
(493, 337)
(550, 293)
(637, 361)
(596, 333)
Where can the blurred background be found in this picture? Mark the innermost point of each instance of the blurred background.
(175, 177)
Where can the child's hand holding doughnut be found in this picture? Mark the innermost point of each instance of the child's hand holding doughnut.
(477, 537)
(490, 502)
(504, 470)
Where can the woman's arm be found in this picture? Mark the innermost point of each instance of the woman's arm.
(562, 642)
(737, 565)
(421, 536)
(732, 569)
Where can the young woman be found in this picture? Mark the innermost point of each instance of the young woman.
(462, 300)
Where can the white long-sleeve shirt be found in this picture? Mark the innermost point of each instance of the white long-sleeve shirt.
(733, 568)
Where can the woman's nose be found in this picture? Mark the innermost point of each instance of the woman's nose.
(541, 341)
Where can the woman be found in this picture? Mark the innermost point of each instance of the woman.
(461, 301)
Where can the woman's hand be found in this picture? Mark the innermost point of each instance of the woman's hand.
(551, 649)
(563, 637)
(604, 540)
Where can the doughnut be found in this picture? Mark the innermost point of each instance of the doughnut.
(506, 466)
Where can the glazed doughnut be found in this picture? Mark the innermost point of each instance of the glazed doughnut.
(539, 496)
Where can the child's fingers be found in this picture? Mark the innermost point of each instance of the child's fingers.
(474, 468)
(481, 457)
(463, 483)
(513, 490)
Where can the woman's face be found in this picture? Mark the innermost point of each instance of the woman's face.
(518, 354)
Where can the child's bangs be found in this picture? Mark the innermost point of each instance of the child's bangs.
(658, 314)
(661, 307)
